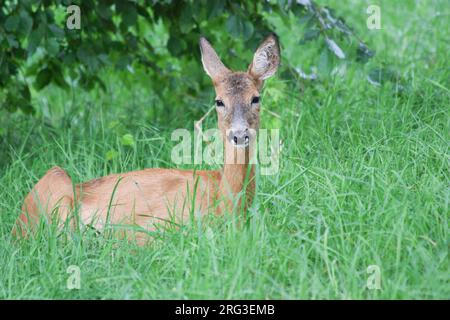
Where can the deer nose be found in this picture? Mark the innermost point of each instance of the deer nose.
(239, 137)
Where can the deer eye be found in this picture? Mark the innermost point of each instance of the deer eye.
(219, 103)
(255, 100)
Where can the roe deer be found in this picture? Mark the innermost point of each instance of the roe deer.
(145, 197)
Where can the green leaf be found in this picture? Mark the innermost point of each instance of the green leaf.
(100, 82)
(12, 41)
(129, 16)
(214, 8)
(88, 58)
(380, 76)
(176, 45)
(307, 19)
(56, 31)
(310, 34)
(52, 46)
(26, 22)
(35, 39)
(12, 23)
(237, 27)
(248, 30)
(233, 25)
(324, 64)
(186, 21)
(25, 92)
(111, 155)
(27, 108)
(142, 11)
(127, 140)
(58, 78)
(19, 97)
(10, 103)
(43, 78)
(88, 81)
(104, 11)
(363, 53)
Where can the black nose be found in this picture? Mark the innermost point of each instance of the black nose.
(239, 137)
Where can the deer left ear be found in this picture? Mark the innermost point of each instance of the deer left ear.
(211, 62)
(266, 59)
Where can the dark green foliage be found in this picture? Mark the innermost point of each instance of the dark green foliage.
(37, 48)
(363, 177)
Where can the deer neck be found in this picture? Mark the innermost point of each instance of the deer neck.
(238, 176)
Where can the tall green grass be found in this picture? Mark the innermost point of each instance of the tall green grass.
(363, 180)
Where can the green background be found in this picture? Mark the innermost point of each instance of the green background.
(363, 180)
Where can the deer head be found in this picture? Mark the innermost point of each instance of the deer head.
(238, 99)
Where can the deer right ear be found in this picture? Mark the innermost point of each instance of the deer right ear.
(211, 62)
(266, 59)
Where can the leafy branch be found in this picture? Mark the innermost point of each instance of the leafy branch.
(155, 35)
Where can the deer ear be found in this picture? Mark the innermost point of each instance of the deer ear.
(266, 59)
(211, 62)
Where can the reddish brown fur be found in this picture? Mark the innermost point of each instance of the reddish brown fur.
(154, 195)
(137, 198)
